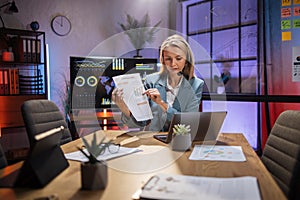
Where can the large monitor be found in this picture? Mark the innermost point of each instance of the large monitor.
(91, 78)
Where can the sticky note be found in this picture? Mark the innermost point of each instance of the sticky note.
(285, 24)
(286, 2)
(296, 1)
(286, 12)
(297, 11)
(296, 23)
(286, 36)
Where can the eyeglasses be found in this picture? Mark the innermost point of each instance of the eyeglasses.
(112, 148)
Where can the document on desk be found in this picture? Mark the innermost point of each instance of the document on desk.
(168, 186)
(218, 153)
(123, 151)
(133, 89)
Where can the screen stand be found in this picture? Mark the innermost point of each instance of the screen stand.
(40, 170)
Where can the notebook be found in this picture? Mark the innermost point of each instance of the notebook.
(204, 125)
(44, 162)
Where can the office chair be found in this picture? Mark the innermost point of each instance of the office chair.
(42, 115)
(281, 154)
(3, 161)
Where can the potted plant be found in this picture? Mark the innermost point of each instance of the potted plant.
(139, 32)
(181, 137)
(94, 171)
(222, 80)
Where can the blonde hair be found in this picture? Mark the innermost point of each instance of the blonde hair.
(179, 42)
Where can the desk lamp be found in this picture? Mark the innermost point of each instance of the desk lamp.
(13, 8)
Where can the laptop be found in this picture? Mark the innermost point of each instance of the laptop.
(44, 162)
(205, 126)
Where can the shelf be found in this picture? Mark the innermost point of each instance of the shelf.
(18, 64)
(23, 79)
(9, 31)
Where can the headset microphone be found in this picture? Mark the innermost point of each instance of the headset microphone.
(180, 73)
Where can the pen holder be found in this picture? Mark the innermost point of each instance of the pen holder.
(181, 142)
(93, 176)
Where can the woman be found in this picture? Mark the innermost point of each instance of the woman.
(173, 89)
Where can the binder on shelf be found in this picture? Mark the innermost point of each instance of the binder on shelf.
(38, 51)
(29, 50)
(16, 81)
(11, 81)
(33, 51)
(6, 81)
(24, 50)
(1, 82)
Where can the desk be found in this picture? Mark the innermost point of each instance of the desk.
(122, 183)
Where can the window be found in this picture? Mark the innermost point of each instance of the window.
(228, 31)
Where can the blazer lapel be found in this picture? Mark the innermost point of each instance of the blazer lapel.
(181, 96)
(162, 85)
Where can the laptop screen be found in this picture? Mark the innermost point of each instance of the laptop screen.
(204, 125)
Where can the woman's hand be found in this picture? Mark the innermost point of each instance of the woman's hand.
(154, 95)
(117, 97)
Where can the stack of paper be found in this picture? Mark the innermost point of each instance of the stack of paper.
(167, 186)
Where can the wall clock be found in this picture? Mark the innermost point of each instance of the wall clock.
(61, 25)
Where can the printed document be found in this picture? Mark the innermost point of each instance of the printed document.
(168, 186)
(78, 156)
(133, 89)
(218, 153)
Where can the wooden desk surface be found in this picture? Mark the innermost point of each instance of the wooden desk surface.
(128, 173)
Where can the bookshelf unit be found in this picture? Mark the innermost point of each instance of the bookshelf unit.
(23, 74)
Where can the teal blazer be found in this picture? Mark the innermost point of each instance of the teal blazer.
(187, 100)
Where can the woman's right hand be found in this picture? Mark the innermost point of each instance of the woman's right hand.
(117, 97)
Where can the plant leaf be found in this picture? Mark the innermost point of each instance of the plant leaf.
(139, 32)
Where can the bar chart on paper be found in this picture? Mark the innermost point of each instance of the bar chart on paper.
(218, 153)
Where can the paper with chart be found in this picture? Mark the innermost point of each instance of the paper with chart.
(218, 153)
(133, 89)
(170, 186)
